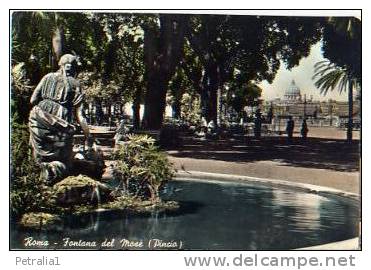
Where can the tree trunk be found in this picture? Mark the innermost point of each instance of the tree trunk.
(109, 113)
(176, 109)
(155, 104)
(110, 60)
(203, 103)
(350, 112)
(162, 51)
(136, 109)
(136, 115)
(210, 90)
(58, 41)
(91, 106)
(98, 112)
(120, 109)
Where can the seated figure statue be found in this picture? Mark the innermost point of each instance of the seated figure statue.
(57, 101)
(121, 132)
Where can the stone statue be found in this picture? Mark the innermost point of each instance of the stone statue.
(57, 102)
(121, 132)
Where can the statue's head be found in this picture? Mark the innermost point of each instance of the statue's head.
(68, 63)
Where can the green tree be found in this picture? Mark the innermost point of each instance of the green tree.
(178, 86)
(242, 95)
(117, 73)
(132, 64)
(42, 35)
(163, 47)
(38, 39)
(342, 47)
(252, 46)
(342, 44)
(329, 77)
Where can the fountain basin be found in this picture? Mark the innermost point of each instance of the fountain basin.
(215, 214)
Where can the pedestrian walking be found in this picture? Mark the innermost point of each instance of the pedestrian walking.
(290, 128)
(304, 129)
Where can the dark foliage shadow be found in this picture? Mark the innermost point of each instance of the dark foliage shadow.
(331, 154)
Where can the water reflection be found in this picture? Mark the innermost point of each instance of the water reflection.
(218, 216)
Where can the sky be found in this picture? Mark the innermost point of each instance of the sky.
(302, 74)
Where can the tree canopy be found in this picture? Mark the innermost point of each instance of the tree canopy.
(142, 58)
(342, 39)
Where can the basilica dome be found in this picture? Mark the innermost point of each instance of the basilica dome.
(292, 92)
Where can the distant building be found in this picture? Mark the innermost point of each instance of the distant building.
(294, 104)
(292, 94)
(330, 112)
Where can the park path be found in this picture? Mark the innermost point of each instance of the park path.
(323, 160)
(346, 181)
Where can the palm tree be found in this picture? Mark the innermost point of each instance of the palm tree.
(329, 77)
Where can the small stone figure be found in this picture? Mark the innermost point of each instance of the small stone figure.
(211, 127)
(202, 129)
(304, 129)
(203, 126)
(212, 131)
(257, 123)
(290, 128)
(121, 132)
(57, 101)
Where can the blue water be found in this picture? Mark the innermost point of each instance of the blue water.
(212, 216)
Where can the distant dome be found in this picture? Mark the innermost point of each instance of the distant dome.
(293, 88)
(292, 92)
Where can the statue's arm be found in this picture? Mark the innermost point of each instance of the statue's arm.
(84, 125)
(82, 120)
(36, 95)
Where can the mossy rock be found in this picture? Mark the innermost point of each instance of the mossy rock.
(139, 206)
(38, 220)
(77, 190)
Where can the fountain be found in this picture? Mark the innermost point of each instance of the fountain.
(233, 216)
(138, 208)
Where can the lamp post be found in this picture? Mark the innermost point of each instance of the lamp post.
(270, 112)
(330, 111)
(232, 110)
(225, 95)
(219, 107)
(225, 106)
(305, 106)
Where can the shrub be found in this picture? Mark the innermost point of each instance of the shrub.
(28, 191)
(21, 93)
(141, 167)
